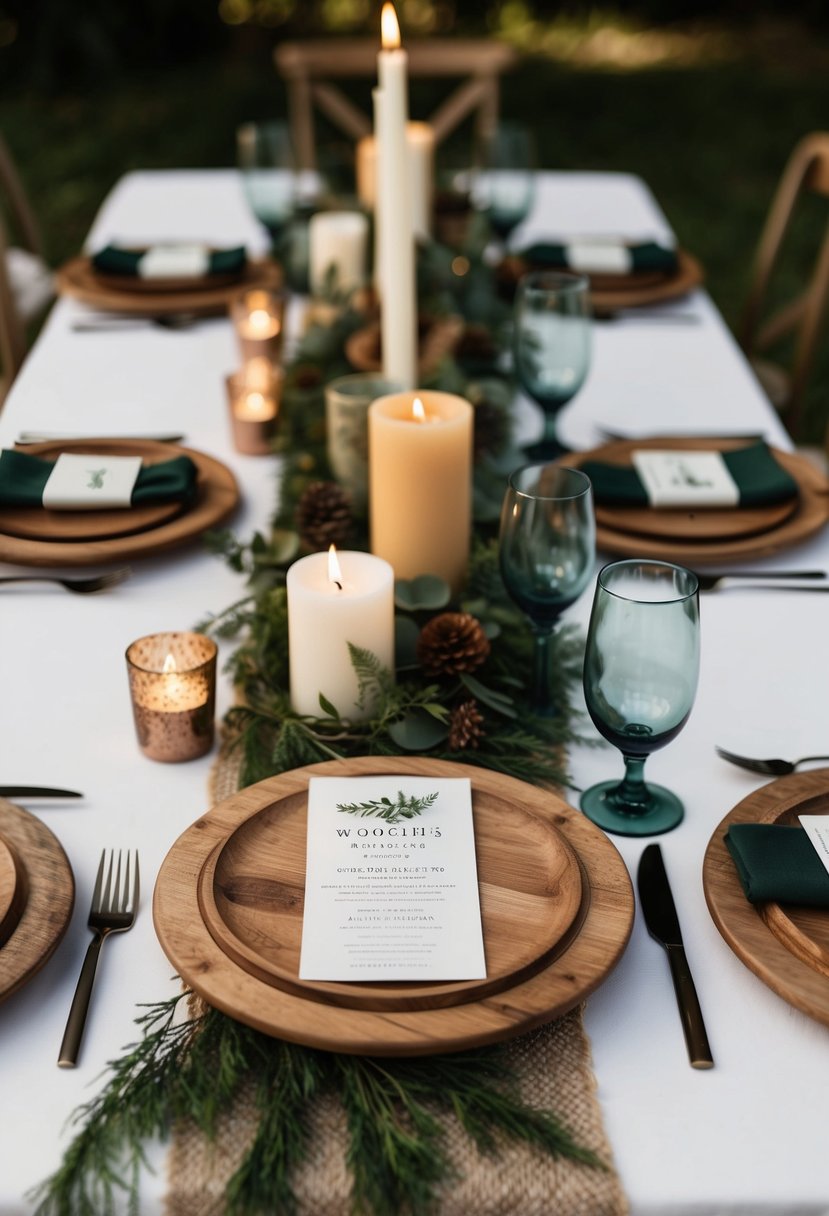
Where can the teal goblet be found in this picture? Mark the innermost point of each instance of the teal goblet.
(547, 553)
(551, 345)
(641, 667)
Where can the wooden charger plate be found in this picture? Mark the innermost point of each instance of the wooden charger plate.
(786, 946)
(135, 283)
(13, 890)
(78, 279)
(86, 542)
(48, 886)
(609, 292)
(708, 536)
(572, 950)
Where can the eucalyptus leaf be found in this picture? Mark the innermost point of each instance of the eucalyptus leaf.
(328, 708)
(426, 593)
(418, 731)
(406, 633)
(284, 545)
(495, 700)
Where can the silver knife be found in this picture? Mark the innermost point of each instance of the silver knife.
(659, 911)
(36, 791)
(26, 437)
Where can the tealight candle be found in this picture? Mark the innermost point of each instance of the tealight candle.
(253, 397)
(173, 688)
(338, 244)
(420, 483)
(335, 599)
(258, 320)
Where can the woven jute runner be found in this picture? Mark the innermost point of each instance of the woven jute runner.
(552, 1067)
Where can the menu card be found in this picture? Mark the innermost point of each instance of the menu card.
(391, 887)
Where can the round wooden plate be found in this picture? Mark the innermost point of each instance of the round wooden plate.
(78, 279)
(786, 946)
(50, 895)
(13, 890)
(251, 893)
(607, 293)
(564, 978)
(38, 523)
(218, 495)
(616, 533)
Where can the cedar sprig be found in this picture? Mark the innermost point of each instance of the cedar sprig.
(404, 807)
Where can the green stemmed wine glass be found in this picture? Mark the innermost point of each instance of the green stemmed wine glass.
(504, 190)
(641, 667)
(551, 345)
(547, 555)
(266, 160)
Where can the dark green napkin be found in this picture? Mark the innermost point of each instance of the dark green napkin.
(646, 255)
(760, 479)
(113, 259)
(778, 863)
(22, 478)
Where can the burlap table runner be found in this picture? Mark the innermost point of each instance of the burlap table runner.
(552, 1066)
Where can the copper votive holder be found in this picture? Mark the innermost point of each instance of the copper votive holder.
(253, 398)
(258, 318)
(173, 689)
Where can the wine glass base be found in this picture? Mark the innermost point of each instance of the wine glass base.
(601, 807)
(546, 449)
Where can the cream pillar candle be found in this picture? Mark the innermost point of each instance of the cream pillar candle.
(420, 141)
(397, 282)
(420, 483)
(338, 240)
(332, 603)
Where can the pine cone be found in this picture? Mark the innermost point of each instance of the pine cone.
(323, 515)
(465, 726)
(450, 643)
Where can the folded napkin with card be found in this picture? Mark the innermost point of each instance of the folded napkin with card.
(78, 482)
(603, 256)
(170, 261)
(745, 477)
(779, 863)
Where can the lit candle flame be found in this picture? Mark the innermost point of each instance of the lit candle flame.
(418, 412)
(335, 574)
(261, 320)
(169, 665)
(389, 28)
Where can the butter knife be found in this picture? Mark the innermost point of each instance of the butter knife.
(659, 911)
(36, 791)
(26, 437)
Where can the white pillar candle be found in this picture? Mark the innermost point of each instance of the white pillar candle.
(420, 141)
(420, 483)
(398, 288)
(327, 609)
(338, 240)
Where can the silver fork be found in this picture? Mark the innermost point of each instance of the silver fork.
(769, 768)
(79, 586)
(113, 910)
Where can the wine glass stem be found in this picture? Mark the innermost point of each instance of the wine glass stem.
(633, 792)
(543, 702)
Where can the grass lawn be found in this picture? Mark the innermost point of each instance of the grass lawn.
(710, 138)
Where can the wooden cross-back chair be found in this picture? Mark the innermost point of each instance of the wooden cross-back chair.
(25, 280)
(807, 171)
(308, 67)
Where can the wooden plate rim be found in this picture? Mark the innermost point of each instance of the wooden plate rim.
(76, 278)
(689, 274)
(50, 897)
(742, 924)
(811, 515)
(388, 997)
(549, 993)
(218, 498)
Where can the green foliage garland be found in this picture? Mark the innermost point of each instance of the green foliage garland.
(194, 1070)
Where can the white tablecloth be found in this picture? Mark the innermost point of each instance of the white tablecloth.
(747, 1137)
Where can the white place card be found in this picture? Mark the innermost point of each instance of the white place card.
(817, 829)
(599, 257)
(391, 885)
(91, 483)
(184, 261)
(685, 479)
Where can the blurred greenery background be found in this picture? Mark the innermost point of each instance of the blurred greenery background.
(704, 100)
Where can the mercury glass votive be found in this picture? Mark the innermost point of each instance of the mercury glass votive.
(258, 317)
(346, 425)
(253, 396)
(173, 688)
